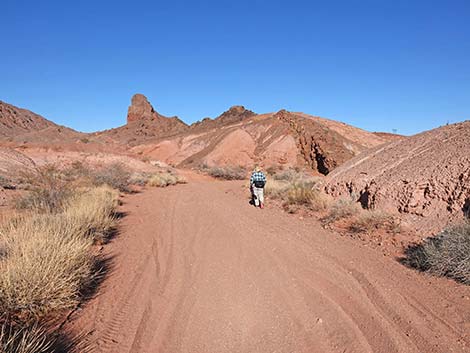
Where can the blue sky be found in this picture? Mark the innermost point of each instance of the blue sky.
(380, 65)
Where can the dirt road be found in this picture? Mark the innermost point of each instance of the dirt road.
(197, 269)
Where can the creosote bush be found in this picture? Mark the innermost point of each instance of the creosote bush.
(447, 254)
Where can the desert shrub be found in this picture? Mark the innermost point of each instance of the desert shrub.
(276, 189)
(77, 171)
(165, 179)
(92, 212)
(304, 195)
(46, 264)
(287, 175)
(447, 254)
(46, 259)
(271, 170)
(342, 208)
(49, 190)
(162, 180)
(115, 175)
(294, 175)
(140, 179)
(25, 340)
(297, 190)
(181, 179)
(4, 181)
(228, 172)
(368, 221)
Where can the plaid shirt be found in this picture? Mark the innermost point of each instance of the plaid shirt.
(257, 176)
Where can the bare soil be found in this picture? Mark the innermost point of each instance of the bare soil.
(197, 269)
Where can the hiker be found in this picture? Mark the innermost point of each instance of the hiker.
(257, 182)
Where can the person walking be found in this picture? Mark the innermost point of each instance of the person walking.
(257, 183)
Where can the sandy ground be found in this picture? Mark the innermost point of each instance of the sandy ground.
(197, 269)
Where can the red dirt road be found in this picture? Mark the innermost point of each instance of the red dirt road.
(198, 270)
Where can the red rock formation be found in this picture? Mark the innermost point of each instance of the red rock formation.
(425, 177)
(14, 121)
(140, 109)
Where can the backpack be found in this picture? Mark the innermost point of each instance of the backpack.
(259, 183)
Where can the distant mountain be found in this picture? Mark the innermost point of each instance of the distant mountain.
(15, 121)
(236, 137)
(143, 123)
(21, 126)
(241, 137)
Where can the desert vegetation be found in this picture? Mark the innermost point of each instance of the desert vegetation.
(447, 254)
(25, 340)
(158, 179)
(46, 257)
(165, 179)
(226, 172)
(368, 221)
(341, 209)
(296, 189)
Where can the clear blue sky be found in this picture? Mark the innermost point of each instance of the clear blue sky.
(376, 64)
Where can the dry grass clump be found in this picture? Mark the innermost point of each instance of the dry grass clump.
(228, 172)
(92, 212)
(140, 179)
(276, 189)
(45, 255)
(342, 208)
(447, 254)
(370, 220)
(305, 195)
(165, 179)
(25, 340)
(6, 183)
(46, 263)
(297, 189)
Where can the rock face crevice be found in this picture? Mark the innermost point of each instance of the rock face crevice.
(322, 149)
